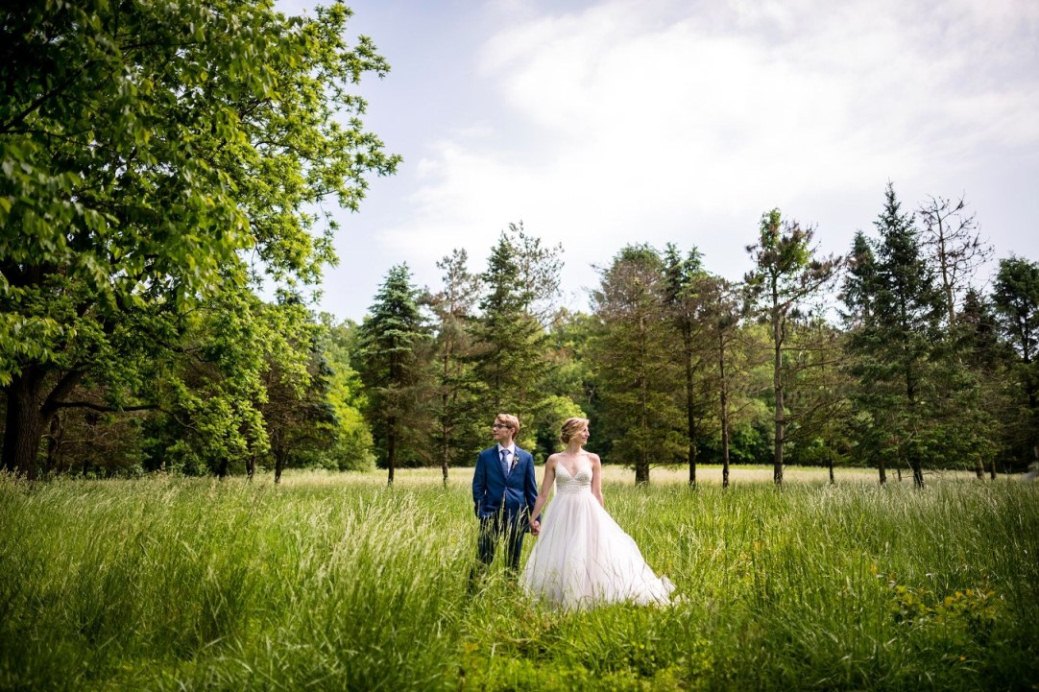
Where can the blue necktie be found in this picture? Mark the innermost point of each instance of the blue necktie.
(505, 462)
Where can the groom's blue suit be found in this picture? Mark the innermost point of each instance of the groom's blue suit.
(503, 502)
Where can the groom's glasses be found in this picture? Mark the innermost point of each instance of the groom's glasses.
(499, 426)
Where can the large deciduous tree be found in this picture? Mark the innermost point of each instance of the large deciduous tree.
(785, 277)
(818, 402)
(155, 156)
(298, 416)
(353, 449)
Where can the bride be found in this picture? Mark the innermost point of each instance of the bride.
(582, 556)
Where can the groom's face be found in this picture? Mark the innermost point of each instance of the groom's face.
(502, 432)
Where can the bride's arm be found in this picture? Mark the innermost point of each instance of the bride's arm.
(546, 488)
(597, 478)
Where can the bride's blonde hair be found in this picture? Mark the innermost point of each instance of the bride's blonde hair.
(571, 426)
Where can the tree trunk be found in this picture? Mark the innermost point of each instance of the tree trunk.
(53, 442)
(830, 464)
(446, 399)
(642, 467)
(690, 415)
(979, 470)
(724, 395)
(642, 471)
(25, 423)
(250, 466)
(444, 460)
(780, 417)
(279, 464)
(221, 471)
(918, 474)
(391, 449)
(992, 469)
(882, 471)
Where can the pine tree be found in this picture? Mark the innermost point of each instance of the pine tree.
(893, 296)
(987, 358)
(785, 278)
(392, 341)
(721, 317)
(457, 418)
(522, 277)
(1016, 299)
(686, 307)
(635, 362)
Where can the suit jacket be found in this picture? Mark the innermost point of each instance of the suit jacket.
(493, 490)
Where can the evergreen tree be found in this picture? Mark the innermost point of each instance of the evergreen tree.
(861, 283)
(636, 369)
(509, 359)
(1016, 299)
(392, 343)
(893, 297)
(686, 305)
(988, 407)
(458, 420)
(721, 316)
(786, 276)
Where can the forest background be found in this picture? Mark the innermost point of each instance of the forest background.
(161, 245)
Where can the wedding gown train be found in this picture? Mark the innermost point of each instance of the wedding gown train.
(583, 557)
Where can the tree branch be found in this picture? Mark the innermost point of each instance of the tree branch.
(8, 127)
(102, 408)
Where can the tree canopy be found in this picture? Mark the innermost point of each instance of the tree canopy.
(159, 158)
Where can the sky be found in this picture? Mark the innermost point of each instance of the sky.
(599, 124)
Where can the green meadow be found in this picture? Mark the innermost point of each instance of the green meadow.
(339, 582)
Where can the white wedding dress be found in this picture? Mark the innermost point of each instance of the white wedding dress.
(582, 557)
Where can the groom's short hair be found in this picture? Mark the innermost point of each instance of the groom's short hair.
(510, 420)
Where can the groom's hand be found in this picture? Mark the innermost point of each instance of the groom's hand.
(535, 527)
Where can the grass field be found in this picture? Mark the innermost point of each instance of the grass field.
(333, 581)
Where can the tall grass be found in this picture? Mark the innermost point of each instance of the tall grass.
(344, 584)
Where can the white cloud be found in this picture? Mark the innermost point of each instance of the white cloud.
(629, 125)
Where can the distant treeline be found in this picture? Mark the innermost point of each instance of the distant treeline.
(887, 357)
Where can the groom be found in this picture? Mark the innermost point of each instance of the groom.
(504, 492)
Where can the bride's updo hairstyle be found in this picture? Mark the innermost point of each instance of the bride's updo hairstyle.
(571, 426)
